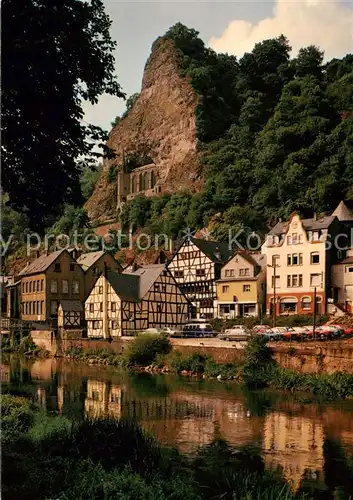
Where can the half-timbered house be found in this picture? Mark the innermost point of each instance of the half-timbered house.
(122, 303)
(196, 266)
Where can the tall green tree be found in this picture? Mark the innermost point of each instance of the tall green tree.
(55, 56)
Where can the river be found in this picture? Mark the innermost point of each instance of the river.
(311, 441)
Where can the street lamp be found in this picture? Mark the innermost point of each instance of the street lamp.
(274, 267)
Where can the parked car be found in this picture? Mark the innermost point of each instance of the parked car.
(261, 328)
(236, 333)
(197, 329)
(153, 331)
(348, 332)
(297, 333)
(327, 332)
(272, 335)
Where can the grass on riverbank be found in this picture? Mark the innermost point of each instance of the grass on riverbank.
(257, 370)
(24, 347)
(109, 459)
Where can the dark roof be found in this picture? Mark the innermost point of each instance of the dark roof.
(308, 224)
(217, 252)
(148, 275)
(347, 260)
(71, 305)
(41, 264)
(86, 260)
(126, 286)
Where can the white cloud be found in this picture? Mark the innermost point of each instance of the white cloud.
(327, 24)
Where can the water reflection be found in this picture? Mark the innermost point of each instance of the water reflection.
(313, 443)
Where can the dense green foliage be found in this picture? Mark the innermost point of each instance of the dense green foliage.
(88, 179)
(55, 57)
(276, 135)
(144, 349)
(51, 457)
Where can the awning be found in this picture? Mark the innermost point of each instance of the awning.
(288, 300)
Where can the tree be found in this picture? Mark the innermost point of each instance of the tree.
(55, 56)
(88, 179)
(115, 122)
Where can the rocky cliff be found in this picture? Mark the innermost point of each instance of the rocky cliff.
(160, 125)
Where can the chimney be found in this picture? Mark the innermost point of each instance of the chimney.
(218, 253)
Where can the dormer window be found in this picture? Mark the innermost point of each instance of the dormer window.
(289, 240)
(276, 240)
(57, 267)
(316, 235)
(310, 235)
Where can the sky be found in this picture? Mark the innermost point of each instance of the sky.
(226, 26)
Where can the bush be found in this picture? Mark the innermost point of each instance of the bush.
(144, 349)
(16, 414)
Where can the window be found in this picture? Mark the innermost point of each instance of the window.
(179, 308)
(75, 287)
(316, 235)
(275, 260)
(227, 273)
(276, 240)
(244, 272)
(159, 308)
(100, 290)
(315, 258)
(53, 307)
(101, 307)
(246, 288)
(300, 238)
(38, 307)
(349, 269)
(289, 240)
(54, 286)
(273, 282)
(306, 303)
(42, 307)
(294, 280)
(65, 286)
(225, 288)
(114, 323)
(315, 279)
(178, 274)
(41, 285)
(57, 267)
(113, 306)
(91, 308)
(34, 307)
(156, 287)
(200, 272)
(34, 286)
(72, 266)
(300, 259)
(294, 238)
(95, 324)
(30, 287)
(295, 259)
(38, 285)
(289, 259)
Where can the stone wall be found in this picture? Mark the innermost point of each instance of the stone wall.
(320, 357)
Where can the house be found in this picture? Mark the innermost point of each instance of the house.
(11, 302)
(300, 253)
(93, 264)
(342, 282)
(47, 281)
(241, 287)
(123, 302)
(196, 266)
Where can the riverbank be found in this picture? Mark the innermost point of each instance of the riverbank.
(257, 367)
(48, 456)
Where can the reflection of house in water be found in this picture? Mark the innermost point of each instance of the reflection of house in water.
(295, 443)
(103, 399)
(187, 421)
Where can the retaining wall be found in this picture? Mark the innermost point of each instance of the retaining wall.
(319, 357)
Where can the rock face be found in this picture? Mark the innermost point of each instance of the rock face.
(160, 125)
